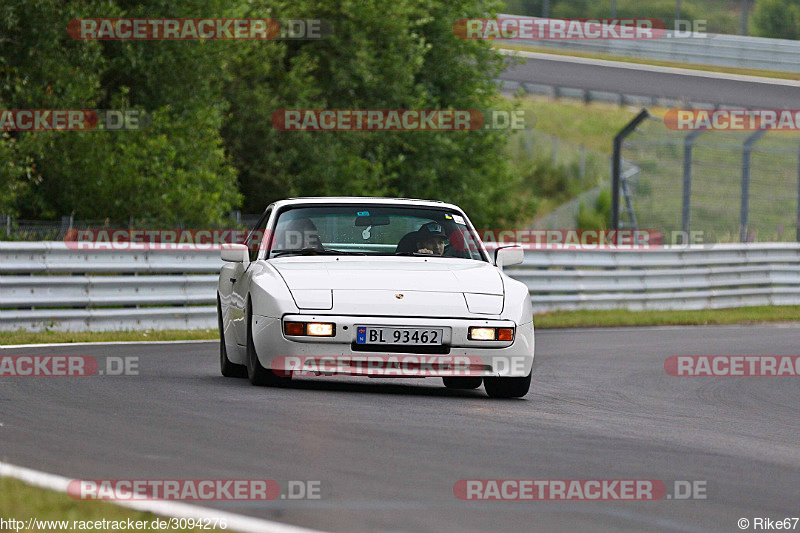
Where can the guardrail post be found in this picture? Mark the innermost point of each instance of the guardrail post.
(686, 212)
(744, 213)
(616, 165)
(798, 197)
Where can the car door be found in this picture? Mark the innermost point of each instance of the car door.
(240, 279)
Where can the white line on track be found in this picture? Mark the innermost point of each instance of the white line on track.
(235, 521)
(619, 329)
(651, 68)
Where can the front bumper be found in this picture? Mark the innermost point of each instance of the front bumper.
(473, 358)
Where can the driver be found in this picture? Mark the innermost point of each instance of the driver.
(431, 242)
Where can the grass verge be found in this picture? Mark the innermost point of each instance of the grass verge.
(42, 337)
(621, 317)
(22, 502)
(593, 125)
(558, 319)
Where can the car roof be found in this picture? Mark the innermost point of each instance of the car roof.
(364, 200)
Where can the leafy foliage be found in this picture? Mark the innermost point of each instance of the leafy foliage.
(597, 216)
(174, 170)
(777, 18)
(211, 146)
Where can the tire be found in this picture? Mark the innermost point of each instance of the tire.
(226, 367)
(462, 383)
(507, 387)
(257, 374)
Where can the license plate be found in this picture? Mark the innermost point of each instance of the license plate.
(404, 336)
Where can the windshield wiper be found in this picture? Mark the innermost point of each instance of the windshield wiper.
(313, 251)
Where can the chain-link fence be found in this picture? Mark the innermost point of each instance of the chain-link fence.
(733, 186)
(576, 157)
(580, 174)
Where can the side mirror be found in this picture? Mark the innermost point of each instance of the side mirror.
(235, 253)
(509, 255)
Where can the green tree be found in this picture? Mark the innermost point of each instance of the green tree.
(381, 55)
(175, 170)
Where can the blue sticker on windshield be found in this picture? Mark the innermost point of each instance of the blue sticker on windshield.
(363, 213)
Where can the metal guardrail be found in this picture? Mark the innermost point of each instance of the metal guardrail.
(46, 285)
(707, 49)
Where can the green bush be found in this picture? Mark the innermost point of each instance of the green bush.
(599, 216)
(779, 19)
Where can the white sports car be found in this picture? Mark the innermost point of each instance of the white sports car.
(373, 287)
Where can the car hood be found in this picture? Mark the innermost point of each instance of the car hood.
(429, 287)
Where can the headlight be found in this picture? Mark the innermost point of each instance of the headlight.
(316, 329)
(491, 334)
(481, 334)
(311, 329)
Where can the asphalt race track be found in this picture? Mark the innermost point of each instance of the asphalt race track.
(694, 86)
(389, 452)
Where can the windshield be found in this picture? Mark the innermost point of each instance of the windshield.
(374, 230)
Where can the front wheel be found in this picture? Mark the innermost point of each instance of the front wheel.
(507, 387)
(257, 374)
(226, 367)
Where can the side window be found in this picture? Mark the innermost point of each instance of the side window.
(256, 236)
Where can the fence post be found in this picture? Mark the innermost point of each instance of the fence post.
(616, 164)
(554, 153)
(65, 225)
(686, 212)
(744, 213)
(529, 141)
(583, 161)
(745, 7)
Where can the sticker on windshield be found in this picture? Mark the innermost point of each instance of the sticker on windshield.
(363, 213)
(458, 219)
(448, 217)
